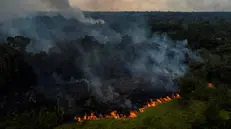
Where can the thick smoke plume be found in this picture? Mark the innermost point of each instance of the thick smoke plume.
(116, 64)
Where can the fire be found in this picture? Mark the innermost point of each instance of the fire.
(210, 85)
(132, 114)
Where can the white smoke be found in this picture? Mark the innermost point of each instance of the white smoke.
(11, 9)
(158, 59)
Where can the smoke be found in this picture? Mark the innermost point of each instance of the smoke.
(58, 4)
(114, 73)
(18, 8)
(200, 5)
(11, 9)
(109, 63)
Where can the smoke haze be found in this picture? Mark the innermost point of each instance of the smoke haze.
(11, 9)
(14, 8)
(153, 5)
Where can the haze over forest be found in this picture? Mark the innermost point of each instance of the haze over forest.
(12, 8)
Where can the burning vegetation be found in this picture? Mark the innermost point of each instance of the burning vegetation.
(132, 114)
(210, 85)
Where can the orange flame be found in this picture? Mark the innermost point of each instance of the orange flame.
(210, 85)
(132, 114)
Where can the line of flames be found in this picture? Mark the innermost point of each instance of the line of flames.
(132, 114)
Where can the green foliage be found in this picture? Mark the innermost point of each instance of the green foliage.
(203, 92)
(212, 115)
(222, 97)
(187, 85)
(212, 119)
(194, 88)
(42, 119)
